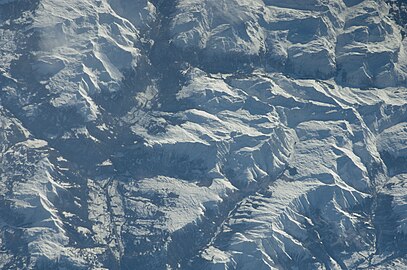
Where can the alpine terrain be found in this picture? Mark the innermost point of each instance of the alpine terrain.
(203, 134)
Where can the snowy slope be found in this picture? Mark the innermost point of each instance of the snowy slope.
(187, 134)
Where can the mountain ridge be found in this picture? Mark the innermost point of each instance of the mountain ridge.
(202, 135)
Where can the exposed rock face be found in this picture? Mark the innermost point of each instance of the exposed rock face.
(250, 134)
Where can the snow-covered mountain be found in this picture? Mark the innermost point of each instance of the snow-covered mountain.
(203, 134)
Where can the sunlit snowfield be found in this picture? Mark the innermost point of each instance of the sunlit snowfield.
(203, 134)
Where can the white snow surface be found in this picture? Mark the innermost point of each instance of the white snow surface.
(202, 134)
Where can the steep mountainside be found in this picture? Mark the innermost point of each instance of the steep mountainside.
(203, 134)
